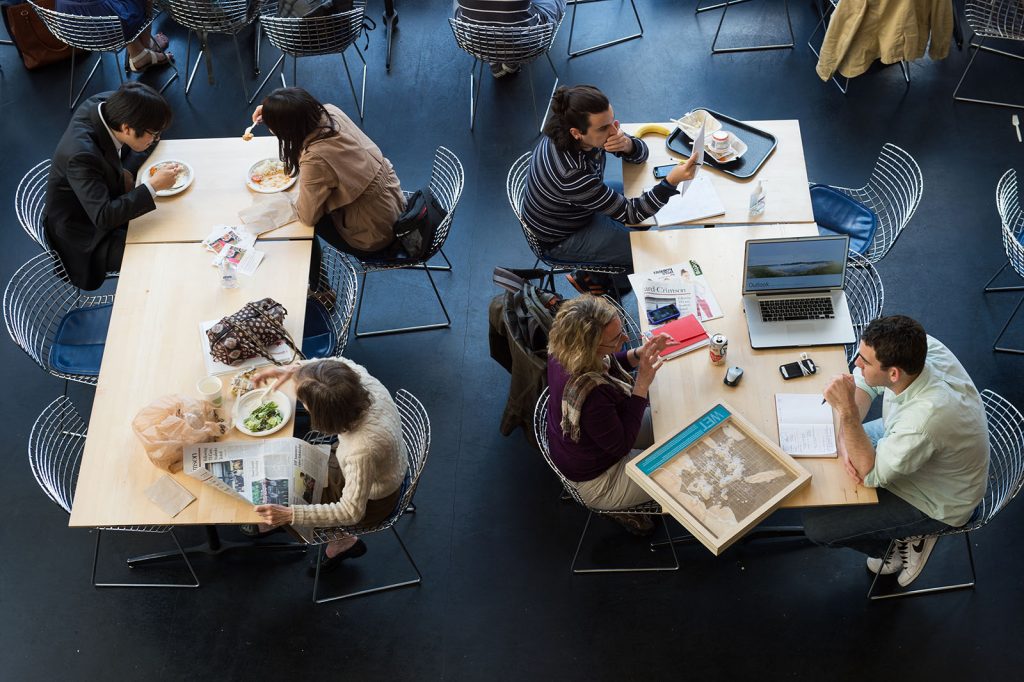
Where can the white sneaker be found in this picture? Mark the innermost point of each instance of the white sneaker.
(918, 551)
(894, 564)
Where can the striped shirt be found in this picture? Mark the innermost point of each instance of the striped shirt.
(498, 12)
(564, 190)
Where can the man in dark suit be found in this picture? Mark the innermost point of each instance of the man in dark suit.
(91, 193)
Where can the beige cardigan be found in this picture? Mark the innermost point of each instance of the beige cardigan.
(346, 176)
(861, 31)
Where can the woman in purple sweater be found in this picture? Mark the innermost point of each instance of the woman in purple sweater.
(598, 413)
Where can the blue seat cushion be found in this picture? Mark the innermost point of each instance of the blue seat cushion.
(78, 345)
(318, 338)
(837, 213)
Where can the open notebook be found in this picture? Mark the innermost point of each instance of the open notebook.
(806, 427)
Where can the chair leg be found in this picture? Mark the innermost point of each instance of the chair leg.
(383, 588)
(751, 48)
(199, 58)
(270, 74)
(820, 25)
(474, 92)
(258, 38)
(96, 556)
(1003, 349)
(72, 101)
(643, 569)
(989, 289)
(601, 46)
(404, 330)
(241, 66)
(360, 100)
(977, 48)
(926, 590)
(698, 9)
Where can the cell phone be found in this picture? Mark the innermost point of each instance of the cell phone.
(801, 368)
(661, 172)
(663, 314)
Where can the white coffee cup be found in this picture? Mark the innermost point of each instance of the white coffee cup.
(210, 388)
(721, 141)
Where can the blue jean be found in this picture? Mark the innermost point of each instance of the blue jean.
(605, 240)
(869, 528)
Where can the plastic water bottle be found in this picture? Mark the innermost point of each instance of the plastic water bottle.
(228, 276)
(757, 199)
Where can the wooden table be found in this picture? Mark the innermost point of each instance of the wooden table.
(689, 385)
(218, 191)
(153, 349)
(789, 200)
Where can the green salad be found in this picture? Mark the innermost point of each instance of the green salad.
(263, 418)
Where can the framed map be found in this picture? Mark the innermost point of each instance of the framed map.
(719, 477)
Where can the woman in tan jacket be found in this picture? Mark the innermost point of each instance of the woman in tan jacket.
(347, 189)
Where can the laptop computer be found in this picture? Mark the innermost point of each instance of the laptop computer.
(793, 292)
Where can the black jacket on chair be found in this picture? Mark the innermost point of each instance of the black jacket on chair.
(87, 207)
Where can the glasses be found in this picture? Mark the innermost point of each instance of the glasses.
(614, 343)
(155, 134)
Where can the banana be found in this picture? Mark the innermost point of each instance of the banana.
(652, 129)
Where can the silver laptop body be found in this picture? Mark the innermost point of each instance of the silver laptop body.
(793, 292)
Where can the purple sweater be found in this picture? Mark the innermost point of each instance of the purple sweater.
(609, 424)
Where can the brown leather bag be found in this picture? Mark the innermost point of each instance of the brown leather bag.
(248, 332)
(36, 45)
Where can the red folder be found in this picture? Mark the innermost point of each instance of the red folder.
(687, 334)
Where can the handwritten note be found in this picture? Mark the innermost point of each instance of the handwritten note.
(806, 428)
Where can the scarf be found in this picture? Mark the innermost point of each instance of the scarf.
(579, 387)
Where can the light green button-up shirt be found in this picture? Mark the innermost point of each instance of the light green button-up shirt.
(934, 452)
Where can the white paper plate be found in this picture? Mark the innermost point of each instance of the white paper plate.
(183, 181)
(250, 401)
(265, 190)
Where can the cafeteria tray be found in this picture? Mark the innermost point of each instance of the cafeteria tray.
(760, 145)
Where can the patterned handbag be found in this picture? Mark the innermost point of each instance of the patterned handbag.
(248, 332)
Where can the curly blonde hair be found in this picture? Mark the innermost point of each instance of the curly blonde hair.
(576, 334)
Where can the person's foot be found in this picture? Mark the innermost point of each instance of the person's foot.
(587, 283)
(502, 70)
(894, 564)
(917, 553)
(638, 524)
(357, 550)
(159, 42)
(147, 59)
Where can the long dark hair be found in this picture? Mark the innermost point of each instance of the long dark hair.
(571, 107)
(293, 114)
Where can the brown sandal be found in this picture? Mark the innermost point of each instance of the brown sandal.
(147, 59)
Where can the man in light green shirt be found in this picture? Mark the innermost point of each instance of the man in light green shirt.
(927, 457)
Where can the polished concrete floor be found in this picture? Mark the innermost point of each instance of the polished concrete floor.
(491, 536)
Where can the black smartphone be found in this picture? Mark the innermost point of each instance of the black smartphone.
(661, 172)
(802, 368)
(663, 314)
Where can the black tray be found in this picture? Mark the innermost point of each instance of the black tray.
(760, 145)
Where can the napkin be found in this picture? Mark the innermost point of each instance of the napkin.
(267, 212)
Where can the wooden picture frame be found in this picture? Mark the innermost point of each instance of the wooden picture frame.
(719, 476)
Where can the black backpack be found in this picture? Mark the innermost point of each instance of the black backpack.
(529, 310)
(416, 227)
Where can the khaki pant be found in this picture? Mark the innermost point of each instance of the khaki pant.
(614, 489)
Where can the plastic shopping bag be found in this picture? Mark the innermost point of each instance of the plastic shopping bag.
(171, 422)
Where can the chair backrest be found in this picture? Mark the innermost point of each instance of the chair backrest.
(634, 337)
(212, 16)
(503, 44)
(893, 192)
(1012, 217)
(447, 179)
(30, 201)
(1006, 463)
(337, 273)
(35, 301)
(55, 446)
(540, 433)
(996, 18)
(309, 36)
(864, 294)
(91, 33)
(515, 187)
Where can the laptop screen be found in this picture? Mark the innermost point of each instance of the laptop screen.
(796, 264)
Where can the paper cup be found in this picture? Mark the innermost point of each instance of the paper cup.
(210, 388)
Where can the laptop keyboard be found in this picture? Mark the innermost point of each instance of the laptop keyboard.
(784, 310)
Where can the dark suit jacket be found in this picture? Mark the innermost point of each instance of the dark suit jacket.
(87, 208)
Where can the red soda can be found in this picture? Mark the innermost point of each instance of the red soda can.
(719, 348)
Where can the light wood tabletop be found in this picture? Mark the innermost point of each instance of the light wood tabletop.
(688, 386)
(153, 349)
(218, 191)
(785, 175)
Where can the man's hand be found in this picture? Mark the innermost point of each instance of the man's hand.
(841, 395)
(275, 514)
(851, 470)
(683, 171)
(164, 177)
(619, 142)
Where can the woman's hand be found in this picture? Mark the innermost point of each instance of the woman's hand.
(274, 375)
(275, 515)
(650, 362)
(257, 114)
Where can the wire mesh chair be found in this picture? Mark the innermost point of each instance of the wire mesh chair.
(203, 17)
(748, 48)
(337, 274)
(446, 182)
(540, 430)
(308, 37)
(515, 188)
(600, 46)
(634, 337)
(998, 19)
(102, 34)
(55, 447)
(504, 45)
(1005, 478)
(822, 25)
(893, 192)
(36, 301)
(1012, 217)
(865, 296)
(416, 439)
(30, 202)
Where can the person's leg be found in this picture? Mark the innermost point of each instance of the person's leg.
(613, 489)
(552, 10)
(604, 240)
(115, 250)
(645, 438)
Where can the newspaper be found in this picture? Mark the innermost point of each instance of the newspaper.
(683, 284)
(235, 245)
(285, 471)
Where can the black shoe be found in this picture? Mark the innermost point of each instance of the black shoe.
(253, 531)
(354, 552)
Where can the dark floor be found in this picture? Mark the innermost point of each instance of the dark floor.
(491, 537)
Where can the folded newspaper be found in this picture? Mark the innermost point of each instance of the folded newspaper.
(683, 284)
(285, 471)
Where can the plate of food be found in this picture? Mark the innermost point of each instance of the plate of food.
(255, 416)
(181, 181)
(268, 176)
